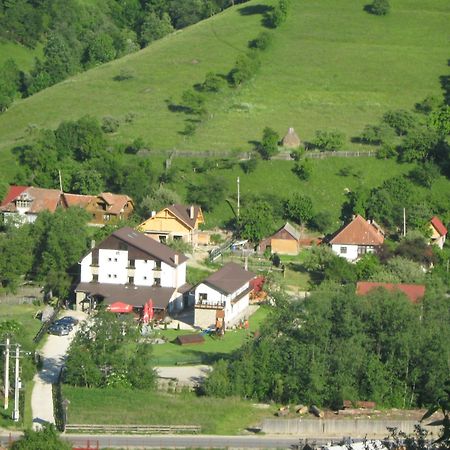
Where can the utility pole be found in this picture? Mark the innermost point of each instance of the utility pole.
(60, 181)
(7, 373)
(404, 221)
(17, 386)
(238, 197)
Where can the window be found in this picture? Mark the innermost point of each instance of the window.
(115, 259)
(177, 238)
(163, 239)
(157, 265)
(343, 250)
(109, 259)
(362, 250)
(109, 275)
(202, 297)
(115, 276)
(95, 277)
(157, 282)
(106, 217)
(132, 263)
(130, 280)
(145, 277)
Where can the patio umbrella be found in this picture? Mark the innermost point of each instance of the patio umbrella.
(119, 307)
(146, 316)
(150, 309)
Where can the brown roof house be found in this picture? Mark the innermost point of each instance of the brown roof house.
(223, 296)
(414, 292)
(357, 238)
(131, 268)
(291, 140)
(22, 204)
(438, 232)
(174, 222)
(284, 242)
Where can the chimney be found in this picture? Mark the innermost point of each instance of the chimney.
(175, 259)
(153, 213)
(191, 212)
(93, 243)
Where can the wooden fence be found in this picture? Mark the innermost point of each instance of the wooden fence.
(133, 429)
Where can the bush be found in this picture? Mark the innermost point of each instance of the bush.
(303, 169)
(377, 134)
(379, 7)
(269, 143)
(387, 151)
(329, 140)
(213, 83)
(262, 41)
(244, 69)
(249, 165)
(400, 120)
(110, 124)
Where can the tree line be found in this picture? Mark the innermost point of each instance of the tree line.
(337, 346)
(77, 36)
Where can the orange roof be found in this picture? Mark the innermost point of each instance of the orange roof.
(358, 232)
(116, 202)
(78, 200)
(439, 226)
(414, 292)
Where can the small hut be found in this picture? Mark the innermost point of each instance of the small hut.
(291, 140)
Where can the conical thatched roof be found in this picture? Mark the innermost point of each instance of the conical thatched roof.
(291, 140)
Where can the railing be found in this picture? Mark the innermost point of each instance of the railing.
(133, 429)
(209, 305)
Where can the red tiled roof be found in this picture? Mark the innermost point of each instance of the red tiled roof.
(414, 292)
(439, 226)
(14, 191)
(78, 200)
(358, 232)
(42, 199)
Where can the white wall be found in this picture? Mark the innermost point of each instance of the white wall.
(112, 266)
(350, 255)
(86, 271)
(143, 274)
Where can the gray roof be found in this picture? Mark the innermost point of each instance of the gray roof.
(229, 278)
(149, 246)
(183, 212)
(291, 230)
(130, 294)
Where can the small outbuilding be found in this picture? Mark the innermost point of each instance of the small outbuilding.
(284, 242)
(190, 339)
(291, 140)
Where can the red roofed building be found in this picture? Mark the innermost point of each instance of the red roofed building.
(24, 203)
(414, 292)
(357, 238)
(438, 232)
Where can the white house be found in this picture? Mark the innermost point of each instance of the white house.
(132, 268)
(223, 296)
(357, 238)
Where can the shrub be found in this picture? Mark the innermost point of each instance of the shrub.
(379, 7)
(329, 140)
(387, 151)
(377, 134)
(249, 165)
(269, 143)
(110, 124)
(244, 69)
(262, 41)
(213, 83)
(400, 120)
(303, 169)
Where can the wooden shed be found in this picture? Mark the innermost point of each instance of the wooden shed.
(190, 339)
(291, 140)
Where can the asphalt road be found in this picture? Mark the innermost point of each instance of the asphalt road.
(182, 441)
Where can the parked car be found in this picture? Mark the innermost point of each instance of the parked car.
(68, 320)
(59, 330)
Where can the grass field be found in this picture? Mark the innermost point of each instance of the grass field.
(119, 406)
(211, 350)
(23, 56)
(326, 187)
(331, 65)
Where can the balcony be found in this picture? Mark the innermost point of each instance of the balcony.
(205, 304)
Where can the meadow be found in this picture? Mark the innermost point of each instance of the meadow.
(122, 406)
(331, 65)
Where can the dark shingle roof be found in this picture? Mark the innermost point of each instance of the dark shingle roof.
(229, 278)
(183, 212)
(150, 246)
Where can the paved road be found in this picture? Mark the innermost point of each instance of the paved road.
(187, 441)
(53, 356)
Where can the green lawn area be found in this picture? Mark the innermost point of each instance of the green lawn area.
(120, 406)
(331, 65)
(211, 350)
(23, 56)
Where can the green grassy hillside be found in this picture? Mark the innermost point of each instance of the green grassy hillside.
(331, 65)
(23, 56)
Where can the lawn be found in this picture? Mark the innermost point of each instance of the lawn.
(22, 56)
(331, 65)
(211, 350)
(121, 406)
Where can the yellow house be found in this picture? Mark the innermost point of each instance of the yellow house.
(174, 222)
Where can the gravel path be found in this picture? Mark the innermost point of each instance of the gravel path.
(53, 355)
(186, 375)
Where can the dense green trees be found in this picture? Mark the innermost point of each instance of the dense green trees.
(338, 346)
(110, 353)
(46, 438)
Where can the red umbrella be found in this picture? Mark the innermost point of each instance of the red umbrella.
(146, 316)
(150, 309)
(120, 307)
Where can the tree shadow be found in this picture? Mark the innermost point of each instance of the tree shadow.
(445, 84)
(254, 9)
(173, 107)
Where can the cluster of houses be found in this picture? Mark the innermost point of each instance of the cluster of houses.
(134, 266)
